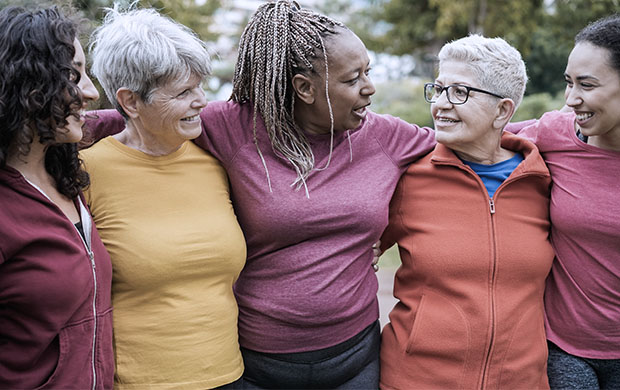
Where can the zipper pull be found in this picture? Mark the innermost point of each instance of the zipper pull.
(492, 206)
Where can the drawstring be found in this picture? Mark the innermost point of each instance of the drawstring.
(350, 147)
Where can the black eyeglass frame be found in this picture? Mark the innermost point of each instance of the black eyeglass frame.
(442, 88)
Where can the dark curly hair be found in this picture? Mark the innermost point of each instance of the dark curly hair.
(604, 33)
(39, 90)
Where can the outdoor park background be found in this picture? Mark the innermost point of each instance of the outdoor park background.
(403, 37)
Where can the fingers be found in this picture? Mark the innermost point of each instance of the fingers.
(376, 252)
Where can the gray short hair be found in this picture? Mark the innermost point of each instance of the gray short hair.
(141, 50)
(497, 65)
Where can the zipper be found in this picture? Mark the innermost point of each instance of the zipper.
(87, 227)
(493, 271)
(91, 256)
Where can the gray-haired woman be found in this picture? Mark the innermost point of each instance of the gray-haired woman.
(471, 220)
(163, 209)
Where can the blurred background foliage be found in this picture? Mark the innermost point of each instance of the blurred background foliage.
(403, 36)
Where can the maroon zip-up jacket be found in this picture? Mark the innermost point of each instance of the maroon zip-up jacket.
(55, 309)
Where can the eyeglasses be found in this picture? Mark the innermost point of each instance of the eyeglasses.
(457, 94)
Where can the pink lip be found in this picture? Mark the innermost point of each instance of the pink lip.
(363, 112)
(361, 115)
(81, 121)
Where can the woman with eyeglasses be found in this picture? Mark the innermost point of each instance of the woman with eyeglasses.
(471, 220)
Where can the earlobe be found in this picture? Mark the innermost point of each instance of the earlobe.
(128, 100)
(304, 88)
(505, 110)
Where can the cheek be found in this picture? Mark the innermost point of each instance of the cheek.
(70, 133)
(169, 114)
(340, 110)
(344, 96)
(596, 101)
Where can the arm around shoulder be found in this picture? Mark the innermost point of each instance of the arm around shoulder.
(103, 123)
(402, 141)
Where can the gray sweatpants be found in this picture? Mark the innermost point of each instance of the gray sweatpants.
(568, 371)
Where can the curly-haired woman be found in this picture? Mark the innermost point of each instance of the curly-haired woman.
(55, 275)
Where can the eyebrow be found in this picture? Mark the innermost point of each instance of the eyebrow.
(460, 84)
(358, 70)
(584, 77)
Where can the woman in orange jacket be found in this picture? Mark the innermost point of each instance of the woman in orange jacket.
(471, 220)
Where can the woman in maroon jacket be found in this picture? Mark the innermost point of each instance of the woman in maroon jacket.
(55, 275)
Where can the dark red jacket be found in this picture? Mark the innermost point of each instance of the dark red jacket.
(55, 309)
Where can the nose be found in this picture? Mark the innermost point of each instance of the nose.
(572, 96)
(200, 100)
(88, 89)
(369, 87)
(442, 101)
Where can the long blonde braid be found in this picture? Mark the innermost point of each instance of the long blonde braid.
(281, 40)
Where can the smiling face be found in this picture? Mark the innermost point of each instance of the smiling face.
(466, 128)
(73, 131)
(350, 87)
(172, 115)
(593, 92)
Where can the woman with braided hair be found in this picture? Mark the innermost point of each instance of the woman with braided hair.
(312, 172)
(314, 203)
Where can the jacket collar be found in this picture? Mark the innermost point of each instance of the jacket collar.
(533, 162)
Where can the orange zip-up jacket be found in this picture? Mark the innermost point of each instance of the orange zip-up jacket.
(471, 283)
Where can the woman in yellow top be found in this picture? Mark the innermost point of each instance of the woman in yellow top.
(163, 210)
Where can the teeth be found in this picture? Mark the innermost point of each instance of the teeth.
(190, 118)
(583, 117)
(447, 120)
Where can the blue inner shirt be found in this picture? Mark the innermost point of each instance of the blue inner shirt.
(494, 175)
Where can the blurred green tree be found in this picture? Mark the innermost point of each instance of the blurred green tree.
(543, 31)
(553, 39)
(533, 106)
(421, 27)
(197, 15)
(404, 99)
